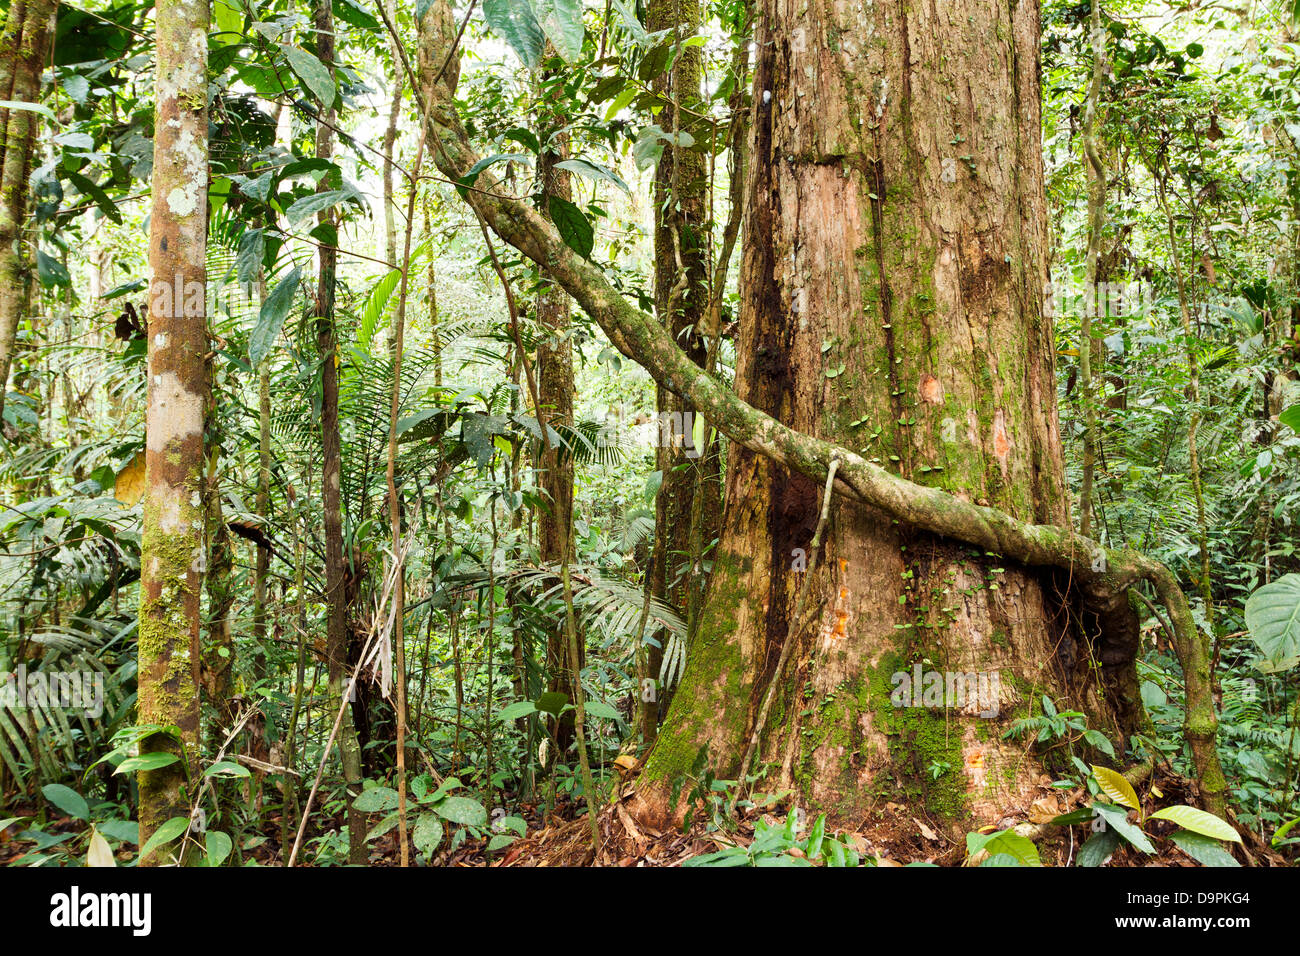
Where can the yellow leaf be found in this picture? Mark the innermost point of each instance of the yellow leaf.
(1116, 787)
(129, 486)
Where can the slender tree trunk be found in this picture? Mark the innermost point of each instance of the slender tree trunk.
(24, 48)
(1095, 174)
(172, 550)
(336, 641)
(555, 392)
(681, 197)
(891, 299)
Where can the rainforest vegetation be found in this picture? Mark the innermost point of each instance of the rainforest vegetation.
(649, 432)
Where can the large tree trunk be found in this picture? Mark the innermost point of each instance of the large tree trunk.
(1097, 580)
(891, 302)
(24, 46)
(172, 548)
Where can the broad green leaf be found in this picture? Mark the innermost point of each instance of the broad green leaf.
(515, 22)
(316, 203)
(561, 21)
(552, 702)
(67, 800)
(228, 19)
(248, 260)
(1291, 417)
(1203, 849)
(227, 768)
(572, 225)
(270, 319)
(128, 831)
(376, 800)
(314, 74)
(595, 171)
(218, 846)
(150, 761)
(1273, 617)
(1117, 819)
(349, 11)
(1281, 833)
(1116, 787)
(33, 107)
(462, 810)
(51, 271)
(520, 708)
(427, 834)
(165, 834)
(1097, 847)
(1198, 821)
(598, 708)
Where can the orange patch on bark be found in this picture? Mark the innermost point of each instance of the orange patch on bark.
(930, 389)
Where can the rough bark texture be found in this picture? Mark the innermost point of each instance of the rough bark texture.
(555, 392)
(681, 194)
(24, 47)
(1097, 578)
(172, 552)
(891, 302)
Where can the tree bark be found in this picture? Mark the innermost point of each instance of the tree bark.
(555, 393)
(1095, 579)
(172, 553)
(336, 641)
(24, 47)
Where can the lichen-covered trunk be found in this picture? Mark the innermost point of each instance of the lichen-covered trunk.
(24, 45)
(172, 554)
(891, 303)
(681, 287)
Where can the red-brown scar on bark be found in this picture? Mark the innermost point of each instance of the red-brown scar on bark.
(1001, 443)
(930, 389)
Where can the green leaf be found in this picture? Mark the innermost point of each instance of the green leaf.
(1273, 617)
(1100, 741)
(1004, 842)
(552, 702)
(248, 260)
(219, 846)
(270, 319)
(150, 761)
(67, 800)
(227, 768)
(1291, 417)
(1203, 849)
(501, 840)
(595, 171)
(316, 203)
(598, 708)
(573, 226)
(462, 810)
(351, 12)
(1116, 787)
(427, 834)
(51, 271)
(1117, 819)
(33, 107)
(314, 74)
(128, 831)
(1198, 821)
(515, 22)
(561, 21)
(1097, 847)
(520, 708)
(376, 800)
(165, 834)
(228, 19)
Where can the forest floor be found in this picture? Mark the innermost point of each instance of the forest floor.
(892, 833)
